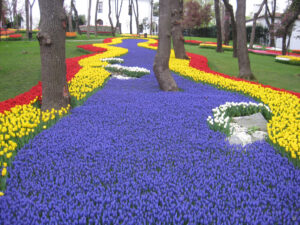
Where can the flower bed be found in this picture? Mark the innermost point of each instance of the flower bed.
(21, 119)
(135, 155)
(282, 128)
(192, 42)
(214, 46)
(71, 35)
(288, 59)
(128, 71)
(223, 114)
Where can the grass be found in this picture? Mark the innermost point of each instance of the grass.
(264, 68)
(20, 67)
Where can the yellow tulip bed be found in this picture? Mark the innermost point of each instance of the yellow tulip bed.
(288, 59)
(23, 122)
(225, 47)
(283, 128)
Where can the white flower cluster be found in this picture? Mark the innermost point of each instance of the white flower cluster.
(119, 60)
(127, 68)
(282, 58)
(219, 113)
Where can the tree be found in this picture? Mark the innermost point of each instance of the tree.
(30, 15)
(176, 29)
(52, 50)
(233, 26)
(161, 62)
(89, 20)
(96, 14)
(118, 8)
(243, 57)
(271, 25)
(218, 25)
(136, 15)
(130, 14)
(27, 17)
(151, 16)
(76, 17)
(156, 9)
(287, 21)
(196, 15)
(254, 23)
(226, 26)
(69, 15)
(15, 13)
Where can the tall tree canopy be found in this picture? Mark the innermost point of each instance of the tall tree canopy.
(196, 15)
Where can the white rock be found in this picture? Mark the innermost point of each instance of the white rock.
(241, 138)
(258, 136)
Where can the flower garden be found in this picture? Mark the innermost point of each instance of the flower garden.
(132, 154)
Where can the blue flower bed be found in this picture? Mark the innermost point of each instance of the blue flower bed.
(135, 155)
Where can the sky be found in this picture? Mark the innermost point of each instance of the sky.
(82, 7)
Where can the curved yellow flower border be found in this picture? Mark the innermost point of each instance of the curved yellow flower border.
(283, 128)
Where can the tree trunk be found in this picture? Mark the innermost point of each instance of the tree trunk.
(76, 17)
(96, 17)
(254, 24)
(130, 14)
(70, 20)
(233, 25)
(52, 49)
(243, 57)
(15, 13)
(271, 25)
(161, 62)
(218, 25)
(30, 15)
(27, 17)
(113, 32)
(89, 20)
(136, 15)
(226, 27)
(176, 29)
(151, 17)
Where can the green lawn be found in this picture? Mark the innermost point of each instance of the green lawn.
(20, 65)
(265, 69)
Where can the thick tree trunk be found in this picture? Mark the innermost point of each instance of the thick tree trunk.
(96, 17)
(176, 29)
(226, 27)
(161, 62)
(89, 20)
(218, 25)
(77, 29)
(254, 24)
(233, 25)
(52, 47)
(243, 57)
(27, 17)
(284, 43)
